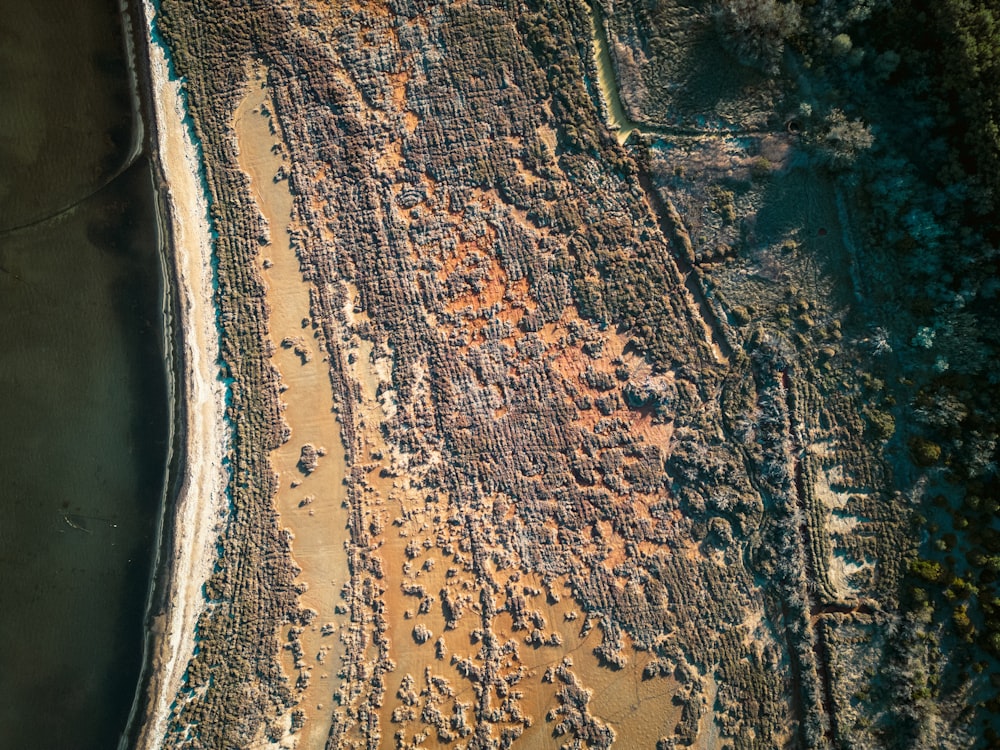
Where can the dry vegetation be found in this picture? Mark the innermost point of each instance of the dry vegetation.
(601, 405)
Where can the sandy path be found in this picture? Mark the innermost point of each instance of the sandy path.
(201, 501)
(311, 505)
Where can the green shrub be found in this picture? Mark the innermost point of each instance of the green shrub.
(927, 569)
(882, 423)
(841, 45)
(925, 452)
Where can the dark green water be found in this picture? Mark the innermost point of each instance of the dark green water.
(83, 405)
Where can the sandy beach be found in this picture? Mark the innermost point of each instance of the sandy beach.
(197, 511)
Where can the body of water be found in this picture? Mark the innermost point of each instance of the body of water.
(83, 385)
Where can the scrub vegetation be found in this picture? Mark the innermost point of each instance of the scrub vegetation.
(709, 414)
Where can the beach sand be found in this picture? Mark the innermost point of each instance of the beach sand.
(201, 505)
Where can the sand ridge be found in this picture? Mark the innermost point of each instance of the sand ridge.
(201, 502)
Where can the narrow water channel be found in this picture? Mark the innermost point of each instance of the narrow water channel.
(608, 83)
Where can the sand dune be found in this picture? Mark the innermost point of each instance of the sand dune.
(201, 501)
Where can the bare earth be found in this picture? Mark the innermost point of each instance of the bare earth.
(311, 504)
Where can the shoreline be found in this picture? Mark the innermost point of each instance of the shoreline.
(159, 576)
(195, 499)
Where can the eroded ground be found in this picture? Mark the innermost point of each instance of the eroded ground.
(605, 479)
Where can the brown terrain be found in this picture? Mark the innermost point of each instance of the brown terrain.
(541, 437)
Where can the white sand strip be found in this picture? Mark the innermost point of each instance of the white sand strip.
(202, 499)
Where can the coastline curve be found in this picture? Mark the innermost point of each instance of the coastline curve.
(193, 517)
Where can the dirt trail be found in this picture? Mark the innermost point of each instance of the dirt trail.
(714, 333)
(816, 606)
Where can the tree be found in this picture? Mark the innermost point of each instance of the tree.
(925, 452)
(843, 140)
(755, 30)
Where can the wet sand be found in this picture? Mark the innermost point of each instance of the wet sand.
(310, 505)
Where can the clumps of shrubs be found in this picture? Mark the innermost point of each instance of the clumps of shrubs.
(309, 458)
(754, 31)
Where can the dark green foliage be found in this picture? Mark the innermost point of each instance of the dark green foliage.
(962, 41)
(927, 569)
(755, 31)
